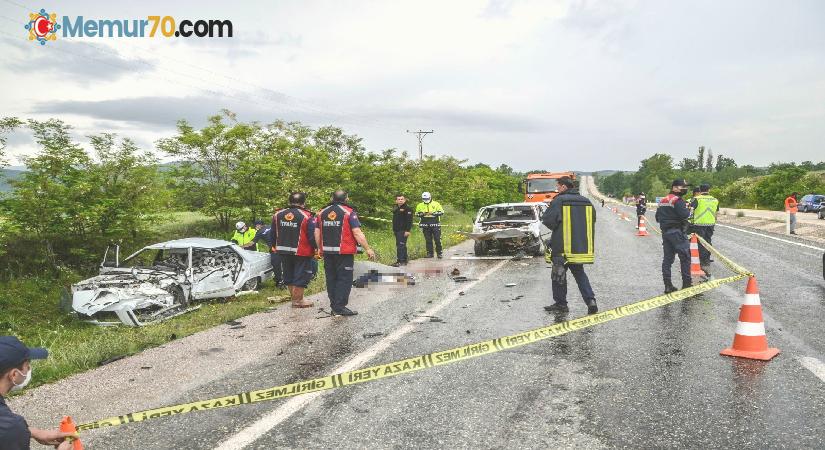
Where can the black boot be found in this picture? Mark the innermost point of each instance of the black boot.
(591, 307)
(669, 287)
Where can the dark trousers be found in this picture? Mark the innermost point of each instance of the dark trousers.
(560, 288)
(675, 242)
(277, 271)
(705, 233)
(338, 270)
(432, 233)
(401, 246)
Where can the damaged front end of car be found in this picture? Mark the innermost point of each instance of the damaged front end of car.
(135, 299)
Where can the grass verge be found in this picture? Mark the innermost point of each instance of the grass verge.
(29, 306)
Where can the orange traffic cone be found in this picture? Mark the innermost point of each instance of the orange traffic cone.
(642, 227)
(695, 265)
(750, 340)
(67, 425)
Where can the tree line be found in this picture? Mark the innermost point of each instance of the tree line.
(734, 185)
(71, 201)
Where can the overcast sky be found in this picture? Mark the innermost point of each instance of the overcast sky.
(553, 85)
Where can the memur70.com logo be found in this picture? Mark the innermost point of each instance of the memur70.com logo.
(43, 27)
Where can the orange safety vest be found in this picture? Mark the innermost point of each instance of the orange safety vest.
(790, 205)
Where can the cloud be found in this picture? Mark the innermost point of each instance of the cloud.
(164, 112)
(75, 61)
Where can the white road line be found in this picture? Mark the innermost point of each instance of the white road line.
(771, 237)
(262, 426)
(814, 365)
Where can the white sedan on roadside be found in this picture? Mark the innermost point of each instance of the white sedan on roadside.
(162, 280)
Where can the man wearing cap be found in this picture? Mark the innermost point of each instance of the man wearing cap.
(15, 374)
(571, 217)
(429, 212)
(672, 216)
(703, 220)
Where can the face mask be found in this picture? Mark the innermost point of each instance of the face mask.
(20, 386)
(680, 193)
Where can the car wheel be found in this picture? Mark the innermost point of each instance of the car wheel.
(803, 208)
(821, 213)
(480, 248)
(250, 285)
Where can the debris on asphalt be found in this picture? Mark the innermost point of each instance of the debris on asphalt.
(461, 293)
(146, 367)
(467, 305)
(518, 297)
(280, 352)
(455, 272)
(509, 284)
(110, 360)
(238, 327)
(462, 279)
(233, 322)
(468, 331)
(436, 319)
(372, 335)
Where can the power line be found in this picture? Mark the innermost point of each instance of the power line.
(420, 135)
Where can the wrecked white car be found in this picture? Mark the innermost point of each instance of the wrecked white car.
(509, 228)
(163, 280)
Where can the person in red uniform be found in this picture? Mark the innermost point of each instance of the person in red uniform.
(338, 235)
(293, 238)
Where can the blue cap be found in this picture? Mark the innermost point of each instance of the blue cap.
(13, 352)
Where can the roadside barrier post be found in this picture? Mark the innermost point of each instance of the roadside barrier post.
(750, 341)
(695, 264)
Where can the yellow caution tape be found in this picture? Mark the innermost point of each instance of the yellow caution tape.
(736, 268)
(413, 364)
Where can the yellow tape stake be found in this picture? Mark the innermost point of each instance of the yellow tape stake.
(412, 364)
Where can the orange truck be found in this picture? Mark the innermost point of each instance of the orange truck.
(541, 187)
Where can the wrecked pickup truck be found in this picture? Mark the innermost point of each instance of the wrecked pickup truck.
(510, 228)
(163, 280)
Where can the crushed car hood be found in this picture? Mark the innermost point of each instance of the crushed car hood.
(121, 291)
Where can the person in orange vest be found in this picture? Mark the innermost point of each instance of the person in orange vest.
(293, 238)
(791, 208)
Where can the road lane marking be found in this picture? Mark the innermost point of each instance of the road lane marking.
(772, 237)
(263, 425)
(814, 365)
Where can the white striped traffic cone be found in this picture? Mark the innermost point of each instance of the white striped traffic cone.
(642, 227)
(695, 265)
(750, 340)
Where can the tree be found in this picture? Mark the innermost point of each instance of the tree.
(709, 163)
(657, 167)
(73, 206)
(700, 161)
(687, 165)
(723, 163)
(7, 125)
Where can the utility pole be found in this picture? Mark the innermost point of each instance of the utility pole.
(420, 135)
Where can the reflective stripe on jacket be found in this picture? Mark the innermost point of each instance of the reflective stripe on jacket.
(571, 217)
(430, 213)
(705, 212)
(243, 239)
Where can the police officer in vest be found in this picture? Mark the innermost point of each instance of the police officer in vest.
(293, 234)
(672, 216)
(703, 220)
(430, 211)
(15, 374)
(244, 236)
(571, 217)
(338, 234)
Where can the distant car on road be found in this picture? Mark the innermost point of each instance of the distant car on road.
(510, 228)
(811, 203)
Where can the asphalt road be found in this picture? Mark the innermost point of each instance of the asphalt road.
(655, 379)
